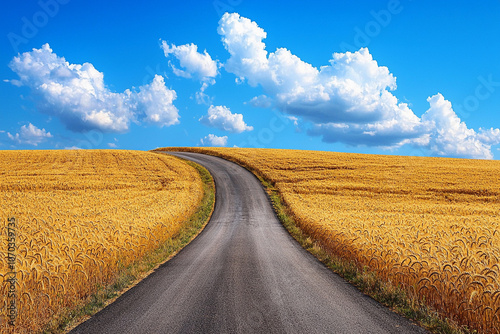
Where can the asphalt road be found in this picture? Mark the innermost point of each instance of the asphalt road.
(243, 274)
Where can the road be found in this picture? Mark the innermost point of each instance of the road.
(243, 274)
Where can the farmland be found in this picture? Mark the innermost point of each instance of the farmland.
(82, 216)
(427, 225)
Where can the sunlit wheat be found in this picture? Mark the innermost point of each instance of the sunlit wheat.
(83, 215)
(429, 225)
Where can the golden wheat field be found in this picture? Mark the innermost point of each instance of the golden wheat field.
(429, 225)
(81, 216)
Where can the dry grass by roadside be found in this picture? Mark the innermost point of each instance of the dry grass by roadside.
(142, 268)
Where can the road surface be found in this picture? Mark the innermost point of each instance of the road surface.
(243, 274)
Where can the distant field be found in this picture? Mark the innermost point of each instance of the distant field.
(83, 215)
(430, 225)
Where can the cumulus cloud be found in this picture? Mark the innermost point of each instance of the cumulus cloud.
(30, 135)
(350, 100)
(194, 64)
(261, 101)
(449, 136)
(77, 95)
(352, 89)
(213, 140)
(156, 102)
(402, 127)
(221, 117)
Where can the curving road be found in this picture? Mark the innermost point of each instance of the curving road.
(243, 274)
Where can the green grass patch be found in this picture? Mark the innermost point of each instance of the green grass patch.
(137, 271)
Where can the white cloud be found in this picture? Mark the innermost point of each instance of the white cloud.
(243, 40)
(221, 117)
(213, 140)
(202, 98)
(294, 119)
(72, 148)
(156, 101)
(352, 90)
(261, 101)
(350, 100)
(194, 64)
(489, 136)
(199, 65)
(113, 145)
(449, 136)
(403, 127)
(77, 95)
(30, 135)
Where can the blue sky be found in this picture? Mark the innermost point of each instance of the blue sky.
(386, 77)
